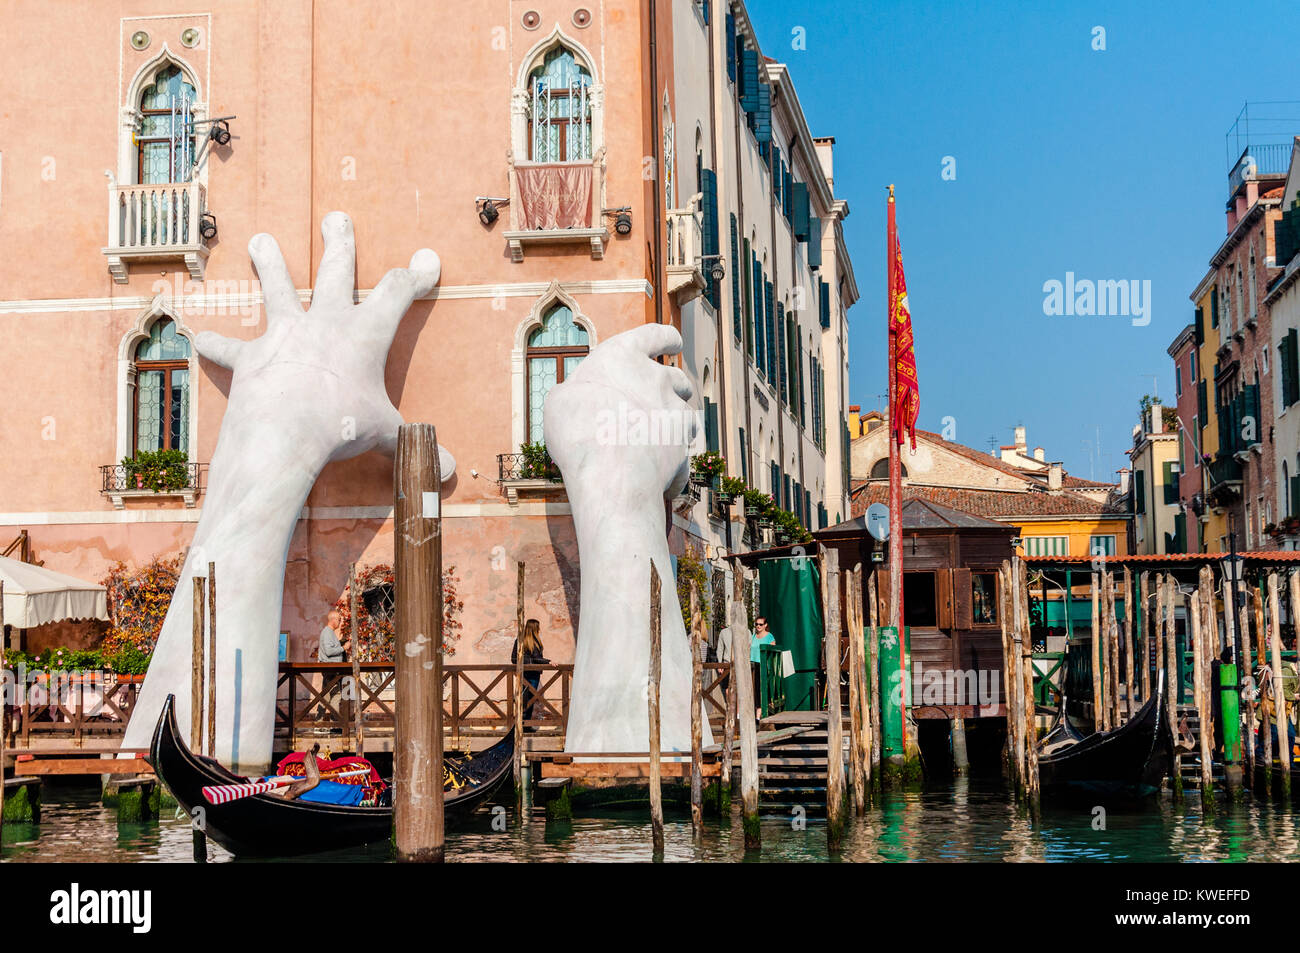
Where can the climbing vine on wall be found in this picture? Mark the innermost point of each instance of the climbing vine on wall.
(137, 605)
(375, 633)
(690, 566)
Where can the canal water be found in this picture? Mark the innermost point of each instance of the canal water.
(958, 823)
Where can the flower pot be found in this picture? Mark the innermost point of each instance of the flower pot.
(700, 479)
(139, 481)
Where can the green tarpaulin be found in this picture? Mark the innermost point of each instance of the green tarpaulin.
(789, 597)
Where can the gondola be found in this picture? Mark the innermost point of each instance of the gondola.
(269, 826)
(1128, 761)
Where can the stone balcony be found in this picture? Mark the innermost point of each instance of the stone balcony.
(153, 223)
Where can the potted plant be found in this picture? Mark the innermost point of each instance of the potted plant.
(537, 463)
(707, 467)
(756, 503)
(729, 488)
(162, 471)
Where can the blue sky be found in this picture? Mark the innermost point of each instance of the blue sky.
(1110, 164)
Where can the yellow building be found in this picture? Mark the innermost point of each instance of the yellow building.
(1159, 521)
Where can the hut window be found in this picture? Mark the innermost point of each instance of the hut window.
(920, 606)
(984, 598)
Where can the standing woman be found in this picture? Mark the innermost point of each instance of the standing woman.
(530, 644)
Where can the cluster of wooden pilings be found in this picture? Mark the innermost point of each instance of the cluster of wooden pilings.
(1232, 631)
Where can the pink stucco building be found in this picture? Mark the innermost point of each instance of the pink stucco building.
(523, 141)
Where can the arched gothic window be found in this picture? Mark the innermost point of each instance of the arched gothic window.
(162, 390)
(165, 143)
(554, 350)
(560, 117)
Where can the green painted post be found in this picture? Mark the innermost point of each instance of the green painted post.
(1069, 608)
(1230, 718)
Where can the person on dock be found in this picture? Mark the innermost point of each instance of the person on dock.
(332, 649)
(762, 636)
(530, 643)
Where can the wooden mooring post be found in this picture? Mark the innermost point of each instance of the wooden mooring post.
(873, 686)
(1195, 616)
(199, 838)
(417, 577)
(652, 696)
(1098, 692)
(1010, 676)
(696, 638)
(1144, 613)
(1246, 675)
(212, 660)
(1026, 642)
(1129, 683)
(858, 722)
(520, 760)
(742, 675)
(1208, 642)
(5, 689)
(358, 727)
(834, 717)
(1279, 690)
(1172, 680)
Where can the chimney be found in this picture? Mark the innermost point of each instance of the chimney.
(855, 423)
(1123, 481)
(1020, 439)
(825, 148)
(1157, 424)
(1054, 476)
(1040, 454)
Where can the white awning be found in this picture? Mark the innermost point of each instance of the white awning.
(35, 595)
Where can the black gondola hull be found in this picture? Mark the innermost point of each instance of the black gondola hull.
(265, 825)
(1128, 761)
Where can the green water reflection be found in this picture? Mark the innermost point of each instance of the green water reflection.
(961, 823)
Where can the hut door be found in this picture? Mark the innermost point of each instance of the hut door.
(943, 596)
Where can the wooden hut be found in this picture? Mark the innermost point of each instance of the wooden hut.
(950, 598)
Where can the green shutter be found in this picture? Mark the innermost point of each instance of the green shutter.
(1295, 495)
(1200, 326)
(711, 425)
(814, 242)
(709, 206)
(744, 458)
(1139, 491)
(1214, 307)
(747, 285)
(769, 318)
(749, 80)
(1171, 482)
(736, 326)
(1201, 406)
(825, 304)
(763, 114)
(784, 342)
(800, 202)
(1293, 366)
(730, 21)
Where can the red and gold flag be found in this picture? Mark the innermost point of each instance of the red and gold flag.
(905, 401)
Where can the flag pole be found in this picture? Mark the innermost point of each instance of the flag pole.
(895, 480)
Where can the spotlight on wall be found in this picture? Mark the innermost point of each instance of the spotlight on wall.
(487, 209)
(220, 133)
(622, 218)
(208, 226)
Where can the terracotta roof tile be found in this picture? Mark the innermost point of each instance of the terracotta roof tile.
(990, 504)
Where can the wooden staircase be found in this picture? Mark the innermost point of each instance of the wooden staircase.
(792, 762)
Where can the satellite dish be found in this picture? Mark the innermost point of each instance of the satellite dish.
(878, 521)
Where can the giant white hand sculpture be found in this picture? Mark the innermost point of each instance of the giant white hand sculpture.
(308, 391)
(617, 482)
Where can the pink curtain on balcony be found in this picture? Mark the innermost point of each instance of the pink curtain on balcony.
(555, 196)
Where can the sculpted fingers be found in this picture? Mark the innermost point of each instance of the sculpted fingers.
(653, 340)
(336, 275)
(679, 382)
(218, 348)
(397, 289)
(277, 286)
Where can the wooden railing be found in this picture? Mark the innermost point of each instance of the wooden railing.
(476, 698)
(318, 696)
(78, 707)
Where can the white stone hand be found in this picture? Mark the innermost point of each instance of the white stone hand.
(619, 429)
(308, 391)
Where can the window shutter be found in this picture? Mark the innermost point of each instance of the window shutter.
(709, 206)
(825, 292)
(814, 242)
(736, 327)
(785, 491)
(1293, 366)
(711, 426)
(1139, 491)
(787, 193)
(730, 21)
(962, 597)
(1171, 482)
(1295, 495)
(768, 320)
(744, 458)
(760, 361)
(785, 380)
(763, 114)
(749, 80)
(1214, 307)
(799, 221)
(776, 172)
(943, 598)
(807, 509)
(1200, 326)
(802, 378)
(1200, 403)
(775, 473)
(747, 285)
